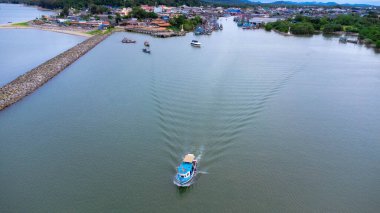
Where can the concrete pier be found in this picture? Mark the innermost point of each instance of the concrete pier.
(32, 80)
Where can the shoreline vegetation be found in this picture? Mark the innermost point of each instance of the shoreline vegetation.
(367, 28)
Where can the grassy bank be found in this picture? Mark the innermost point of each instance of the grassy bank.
(20, 24)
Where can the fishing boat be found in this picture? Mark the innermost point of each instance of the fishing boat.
(343, 39)
(195, 43)
(247, 26)
(146, 43)
(146, 50)
(126, 40)
(186, 171)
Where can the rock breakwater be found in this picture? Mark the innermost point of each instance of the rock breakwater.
(35, 78)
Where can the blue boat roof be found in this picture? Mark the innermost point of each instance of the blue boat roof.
(183, 168)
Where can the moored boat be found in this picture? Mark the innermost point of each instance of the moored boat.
(186, 171)
(126, 40)
(146, 43)
(343, 39)
(146, 50)
(195, 43)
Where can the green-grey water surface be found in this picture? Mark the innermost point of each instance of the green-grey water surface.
(13, 13)
(282, 124)
(24, 49)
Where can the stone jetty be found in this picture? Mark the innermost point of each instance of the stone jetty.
(32, 80)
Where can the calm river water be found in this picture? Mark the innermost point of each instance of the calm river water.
(24, 49)
(282, 124)
(18, 13)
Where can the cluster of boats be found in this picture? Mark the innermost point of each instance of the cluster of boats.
(247, 23)
(146, 48)
(207, 29)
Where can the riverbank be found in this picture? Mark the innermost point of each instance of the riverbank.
(365, 28)
(35, 78)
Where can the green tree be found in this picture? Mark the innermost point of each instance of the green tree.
(351, 29)
(332, 27)
(117, 18)
(268, 26)
(188, 24)
(303, 28)
(139, 13)
(64, 12)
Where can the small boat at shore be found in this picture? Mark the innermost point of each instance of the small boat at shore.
(195, 43)
(128, 41)
(146, 43)
(343, 39)
(186, 171)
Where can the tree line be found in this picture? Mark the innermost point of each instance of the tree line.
(182, 22)
(368, 27)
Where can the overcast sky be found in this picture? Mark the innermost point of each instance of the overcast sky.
(372, 2)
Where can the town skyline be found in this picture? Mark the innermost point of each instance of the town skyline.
(371, 2)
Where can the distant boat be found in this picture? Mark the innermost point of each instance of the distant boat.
(146, 43)
(199, 30)
(126, 40)
(195, 43)
(146, 50)
(247, 26)
(343, 39)
(186, 171)
(355, 41)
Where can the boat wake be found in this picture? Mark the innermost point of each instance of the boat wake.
(200, 153)
(202, 112)
(199, 158)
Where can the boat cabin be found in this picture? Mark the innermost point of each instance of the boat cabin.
(186, 170)
(186, 167)
(189, 158)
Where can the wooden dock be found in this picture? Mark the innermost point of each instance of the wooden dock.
(156, 32)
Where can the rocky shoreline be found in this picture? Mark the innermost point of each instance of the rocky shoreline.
(35, 78)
